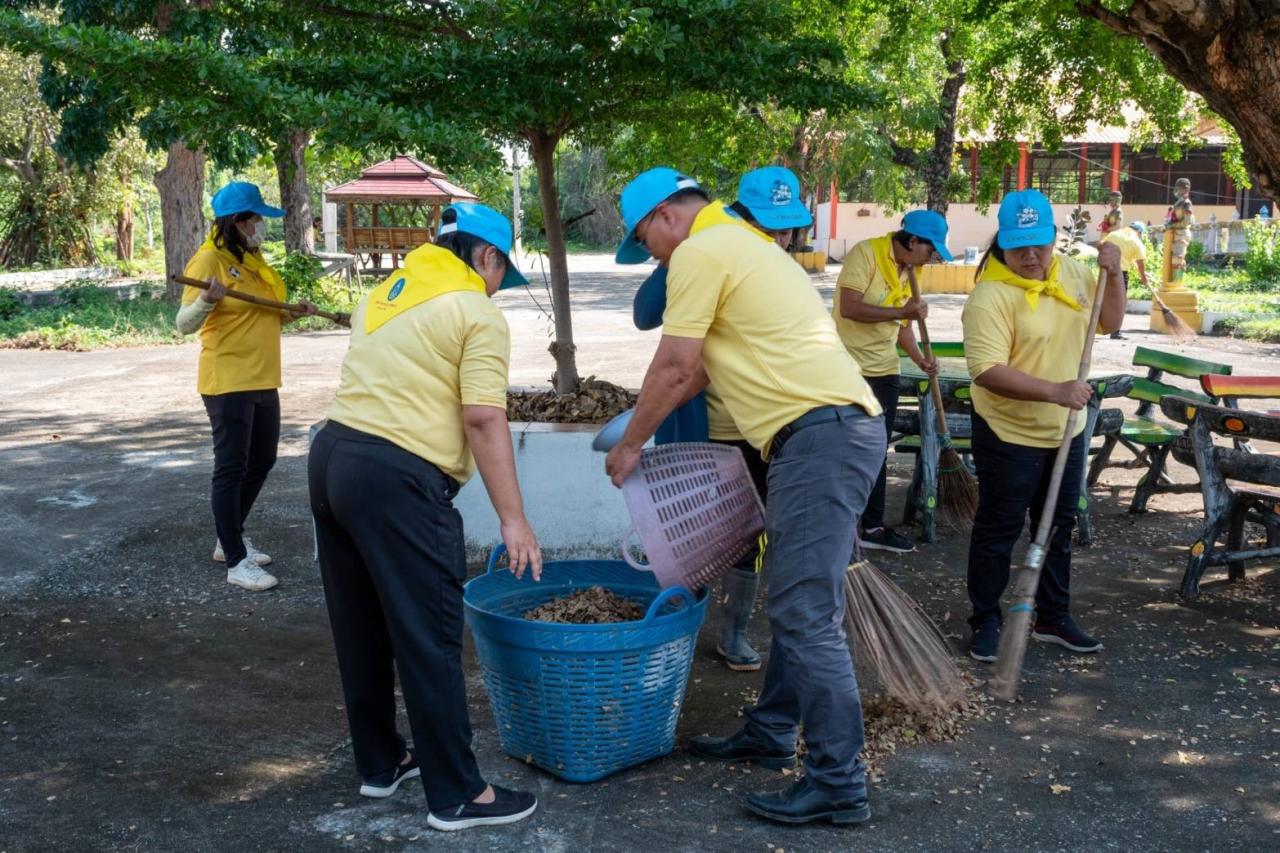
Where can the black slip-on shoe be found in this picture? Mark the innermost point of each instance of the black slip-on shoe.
(742, 747)
(804, 803)
(985, 643)
(886, 539)
(386, 782)
(507, 807)
(1068, 635)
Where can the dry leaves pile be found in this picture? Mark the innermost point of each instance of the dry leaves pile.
(594, 402)
(594, 606)
(890, 722)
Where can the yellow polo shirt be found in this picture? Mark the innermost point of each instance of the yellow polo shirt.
(239, 341)
(1001, 328)
(1132, 248)
(408, 379)
(873, 345)
(769, 347)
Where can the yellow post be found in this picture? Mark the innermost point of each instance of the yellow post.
(1174, 293)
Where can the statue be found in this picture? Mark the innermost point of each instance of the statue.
(1178, 223)
(1114, 218)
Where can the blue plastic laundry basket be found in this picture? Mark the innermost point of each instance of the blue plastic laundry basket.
(583, 701)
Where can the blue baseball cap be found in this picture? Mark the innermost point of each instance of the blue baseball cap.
(1139, 227)
(772, 194)
(646, 191)
(928, 225)
(242, 197)
(479, 220)
(1025, 219)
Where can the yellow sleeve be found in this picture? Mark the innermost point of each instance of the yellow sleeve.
(859, 269)
(988, 337)
(694, 284)
(203, 265)
(486, 352)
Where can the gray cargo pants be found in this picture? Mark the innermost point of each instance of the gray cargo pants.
(818, 486)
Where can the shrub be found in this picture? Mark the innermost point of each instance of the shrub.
(1261, 256)
(10, 305)
(302, 274)
(1195, 252)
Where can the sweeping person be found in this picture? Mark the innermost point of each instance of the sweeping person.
(421, 405)
(769, 204)
(1132, 243)
(744, 317)
(1024, 330)
(239, 369)
(873, 310)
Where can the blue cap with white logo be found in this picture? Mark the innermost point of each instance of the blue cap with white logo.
(1025, 219)
(929, 225)
(479, 220)
(772, 194)
(646, 191)
(1139, 227)
(242, 197)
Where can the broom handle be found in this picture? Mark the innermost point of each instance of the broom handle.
(927, 347)
(338, 317)
(1013, 639)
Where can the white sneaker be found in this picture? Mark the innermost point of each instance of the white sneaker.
(259, 557)
(249, 575)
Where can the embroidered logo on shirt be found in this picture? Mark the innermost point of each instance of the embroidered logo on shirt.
(396, 290)
(1028, 217)
(233, 272)
(781, 194)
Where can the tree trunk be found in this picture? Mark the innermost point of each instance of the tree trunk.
(543, 148)
(938, 166)
(181, 186)
(1224, 50)
(124, 231)
(291, 168)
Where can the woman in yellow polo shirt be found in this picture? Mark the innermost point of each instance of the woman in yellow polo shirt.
(1024, 330)
(873, 310)
(239, 369)
(421, 405)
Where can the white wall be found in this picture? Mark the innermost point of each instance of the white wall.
(968, 227)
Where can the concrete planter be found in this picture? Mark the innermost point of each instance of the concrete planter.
(1209, 318)
(1138, 306)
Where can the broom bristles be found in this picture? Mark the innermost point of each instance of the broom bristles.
(899, 642)
(957, 490)
(1176, 326)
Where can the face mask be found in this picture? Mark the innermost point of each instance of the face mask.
(259, 233)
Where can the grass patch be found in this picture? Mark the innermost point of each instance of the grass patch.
(1261, 330)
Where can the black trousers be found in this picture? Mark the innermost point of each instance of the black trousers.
(886, 390)
(1012, 480)
(759, 470)
(393, 563)
(246, 432)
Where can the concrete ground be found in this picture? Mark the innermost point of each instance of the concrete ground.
(146, 705)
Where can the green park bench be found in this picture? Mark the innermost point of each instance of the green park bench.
(1148, 438)
(1238, 483)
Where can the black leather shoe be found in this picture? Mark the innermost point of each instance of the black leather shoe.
(803, 803)
(742, 747)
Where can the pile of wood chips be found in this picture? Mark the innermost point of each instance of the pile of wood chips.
(593, 606)
(594, 402)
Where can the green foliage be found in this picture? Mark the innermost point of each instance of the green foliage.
(301, 273)
(1260, 329)
(1195, 252)
(1261, 256)
(89, 316)
(10, 305)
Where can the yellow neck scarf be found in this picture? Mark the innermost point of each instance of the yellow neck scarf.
(429, 271)
(996, 271)
(717, 213)
(899, 291)
(253, 262)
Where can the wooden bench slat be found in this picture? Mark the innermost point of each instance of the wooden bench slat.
(1146, 389)
(941, 349)
(1148, 431)
(911, 444)
(1256, 387)
(1192, 368)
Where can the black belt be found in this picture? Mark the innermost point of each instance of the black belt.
(813, 417)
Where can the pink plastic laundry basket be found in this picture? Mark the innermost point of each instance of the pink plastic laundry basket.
(695, 511)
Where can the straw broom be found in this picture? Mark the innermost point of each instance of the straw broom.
(1175, 325)
(957, 487)
(898, 641)
(1013, 639)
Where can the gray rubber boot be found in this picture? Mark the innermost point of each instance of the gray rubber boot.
(738, 596)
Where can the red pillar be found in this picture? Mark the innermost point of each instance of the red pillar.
(833, 210)
(1022, 165)
(1084, 174)
(973, 174)
(1115, 166)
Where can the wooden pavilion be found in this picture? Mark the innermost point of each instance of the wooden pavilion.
(416, 192)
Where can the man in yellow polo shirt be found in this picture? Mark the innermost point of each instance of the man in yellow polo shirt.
(424, 387)
(873, 310)
(1132, 243)
(743, 315)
